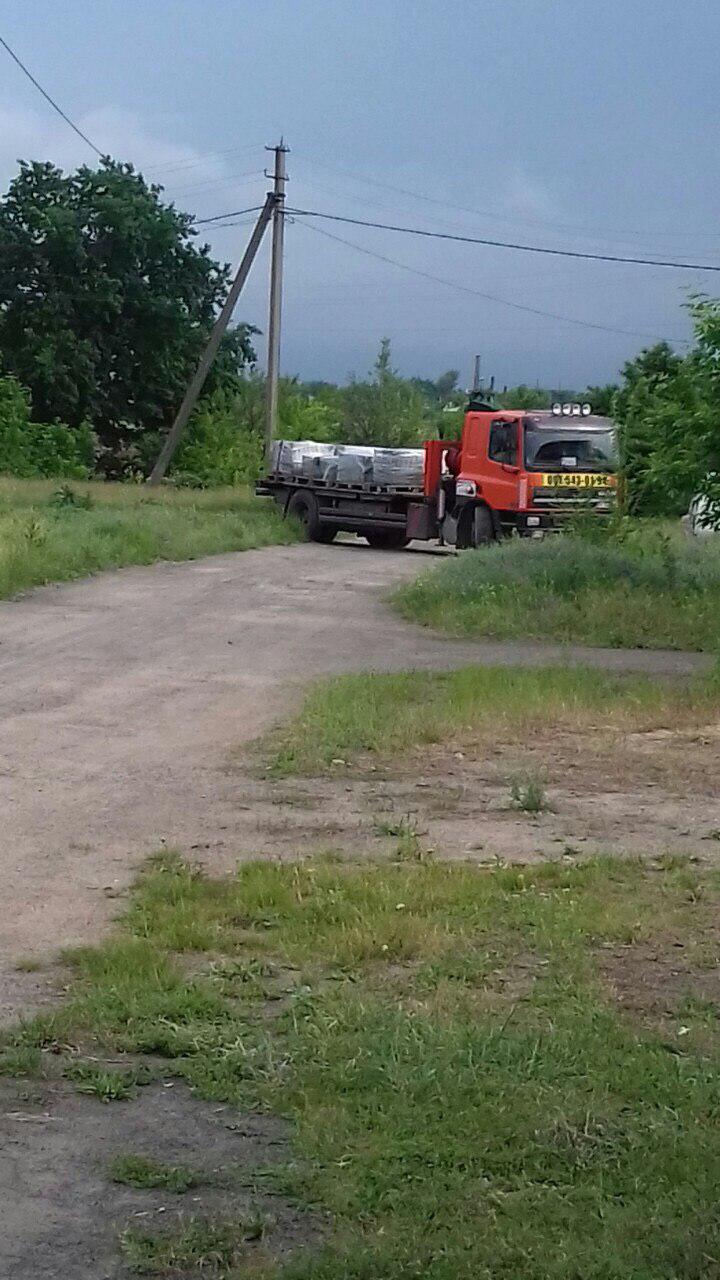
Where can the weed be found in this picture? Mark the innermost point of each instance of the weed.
(28, 964)
(200, 1244)
(20, 1060)
(529, 795)
(106, 1083)
(145, 1174)
(572, 588)
(66, 498)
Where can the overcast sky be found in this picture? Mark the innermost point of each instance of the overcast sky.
(586, 124)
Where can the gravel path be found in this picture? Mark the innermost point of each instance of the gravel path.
(122, 696)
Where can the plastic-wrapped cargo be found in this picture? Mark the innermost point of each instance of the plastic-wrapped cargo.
(291, 455)
(354, 464)
(399, 468)
(315, 461)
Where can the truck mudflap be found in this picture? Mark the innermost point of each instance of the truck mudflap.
(421, 521)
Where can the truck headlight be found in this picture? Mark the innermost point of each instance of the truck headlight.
(466, 489)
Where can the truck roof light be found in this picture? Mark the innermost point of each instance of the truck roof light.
(569, 410)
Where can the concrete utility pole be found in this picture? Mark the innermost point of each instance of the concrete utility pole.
(476, 375)
(276, 269)
(221, 324)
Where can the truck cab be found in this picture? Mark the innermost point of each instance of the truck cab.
(526, 471)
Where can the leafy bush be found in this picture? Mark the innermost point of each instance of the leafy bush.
(223, 445)
(669, 415)
(39, 449)
(647, 590)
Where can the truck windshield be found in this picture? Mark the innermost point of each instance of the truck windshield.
(569, 448)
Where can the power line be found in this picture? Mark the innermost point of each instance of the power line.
(174, 166)
(238, 213)
(238, 179)
(596, 232)
(52, 101)
(501, 244)
(489, 297)
(495, 244)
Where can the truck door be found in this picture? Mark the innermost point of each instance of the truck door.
(503, 464)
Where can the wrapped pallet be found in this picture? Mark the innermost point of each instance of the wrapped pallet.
(399, 468)
(291, 455)
(354, 464)
(315, 461)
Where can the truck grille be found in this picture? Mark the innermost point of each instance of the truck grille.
(573, 499)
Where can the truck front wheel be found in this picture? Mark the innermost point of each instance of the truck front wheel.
(304, 508)
(475, 528)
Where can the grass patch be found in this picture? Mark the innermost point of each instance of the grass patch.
(106, 1083)
(201, 1245)
(145, 1174)
(390, 715)
(468, 1101)
(50, 535)
(650, 592)
(21, 1060)
(528, 794)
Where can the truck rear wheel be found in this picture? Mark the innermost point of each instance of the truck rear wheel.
(387, 539)
(304, 508)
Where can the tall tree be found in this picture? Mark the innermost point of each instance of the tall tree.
(387, 410)
(105, 299)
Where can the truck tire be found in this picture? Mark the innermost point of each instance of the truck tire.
(387, 539)
(483, 529)
(475, 527)
(304, 508)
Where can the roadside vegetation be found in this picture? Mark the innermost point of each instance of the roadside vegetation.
(51, 532)
(489, 1072)
(645, 590)
(378, 716)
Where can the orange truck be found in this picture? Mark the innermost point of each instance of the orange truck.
(511, 471)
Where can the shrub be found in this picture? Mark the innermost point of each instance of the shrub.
(39, 449)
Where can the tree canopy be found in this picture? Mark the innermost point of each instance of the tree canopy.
(105, 299)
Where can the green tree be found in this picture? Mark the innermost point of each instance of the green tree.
(523, 397)
(446, 385)
(386, 410)
(601, 398)
(105, 299)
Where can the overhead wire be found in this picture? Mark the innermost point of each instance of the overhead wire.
(482, 240)
(478, 293)
(56, 107)
(502, 244)
(594, 232)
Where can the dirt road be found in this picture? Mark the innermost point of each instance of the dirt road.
(122, 696)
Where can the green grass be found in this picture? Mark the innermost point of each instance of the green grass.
(20, 1060)
(654, 593)
(106, 1083)
(528, 795)
(467, 1099)
(201, 1246)
(46, 538)
(388, 716)
(145, 1174)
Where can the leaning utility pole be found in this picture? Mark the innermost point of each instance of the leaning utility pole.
(276, 267)
(208, 355)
